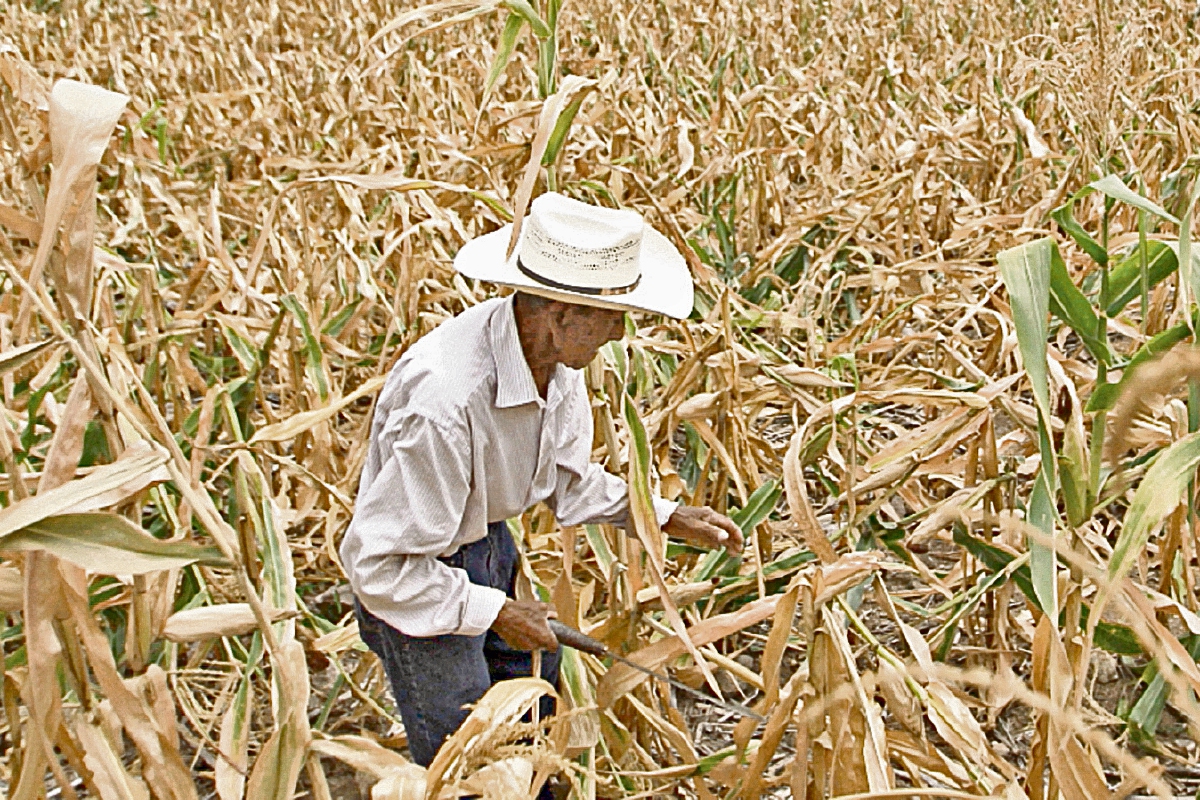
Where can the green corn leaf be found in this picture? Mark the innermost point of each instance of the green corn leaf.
(1143, 264)
(1146, 714)
(1065, 217)
(710, 565)
(1042, 559)
(314, 366)
(640, 454)
(614, 356)
(559, 135)
(1124, 280)
(552, 9)
(604, 554)
(341, 319)
(983, 585)
(1147, 711)
(1110, 636)
(1114, 187)
(710, 762)
(278, 571)
(508, 42)
(1191, 271)
(1026, 273)
(1068, 304)
(1105, 396)
(1155, 498)
(547, 72)
(107, 544)
(815, 446)
(522, 7)
(758, 506)
(244, 351)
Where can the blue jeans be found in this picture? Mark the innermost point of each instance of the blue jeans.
(434, 677)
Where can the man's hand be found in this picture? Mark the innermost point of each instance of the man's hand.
(522, 623)
(705, 527)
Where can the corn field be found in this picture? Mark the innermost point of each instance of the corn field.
(942, 371)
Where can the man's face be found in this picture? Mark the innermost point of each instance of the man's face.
(583, 330)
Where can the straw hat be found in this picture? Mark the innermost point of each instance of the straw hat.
(580, 253)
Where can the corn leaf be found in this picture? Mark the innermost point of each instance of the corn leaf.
(107, 544)
(641, 512)
(106, 486)
(1191, 270)
(230, 771)
(1105, 396)
(758, 506)
(82, 118)
(17, 357)
(622, 677)
(296, 424)
(1026, 272)
(278, 765)
(212, 622)
(1115, 188)
(559, 135)
(314, 361)
(1042, 559)
(1124, 280)
(1146, 713)
(508, 42)
(525, 10)
(1068, 304)
(1157, 496)
(1065, 217)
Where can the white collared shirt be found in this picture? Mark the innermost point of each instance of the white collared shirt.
(461, 438)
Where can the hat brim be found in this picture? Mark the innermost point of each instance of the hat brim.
(665, 286)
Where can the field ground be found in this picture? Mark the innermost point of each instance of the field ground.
(908, 423)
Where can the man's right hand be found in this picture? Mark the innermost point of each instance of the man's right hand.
(522, 623)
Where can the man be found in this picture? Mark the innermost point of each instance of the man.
(481, 419)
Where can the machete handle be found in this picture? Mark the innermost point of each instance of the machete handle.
(572, 638)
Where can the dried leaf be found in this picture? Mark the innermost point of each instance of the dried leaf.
(296, 424)
(233, 762)
(502, 780)
(213, 622)
(106, 544)
(106, 486)
(12, 586)
(621, 677)
(278, 765)
(109, 774)
(82, 118)
(363, 754)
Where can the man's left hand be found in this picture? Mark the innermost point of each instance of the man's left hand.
(705, 528)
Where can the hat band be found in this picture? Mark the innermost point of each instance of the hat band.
(592, 291)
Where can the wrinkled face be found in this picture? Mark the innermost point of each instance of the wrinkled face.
(582, 330)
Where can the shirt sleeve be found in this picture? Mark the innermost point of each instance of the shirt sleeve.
(408, 516)
(584, 492)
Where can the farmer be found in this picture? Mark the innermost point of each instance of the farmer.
(481, 419)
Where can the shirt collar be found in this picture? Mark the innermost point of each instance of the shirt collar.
(514, 381)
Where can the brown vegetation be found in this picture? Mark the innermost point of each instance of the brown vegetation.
(185, 406)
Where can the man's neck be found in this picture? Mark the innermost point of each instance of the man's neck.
(537, 348)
